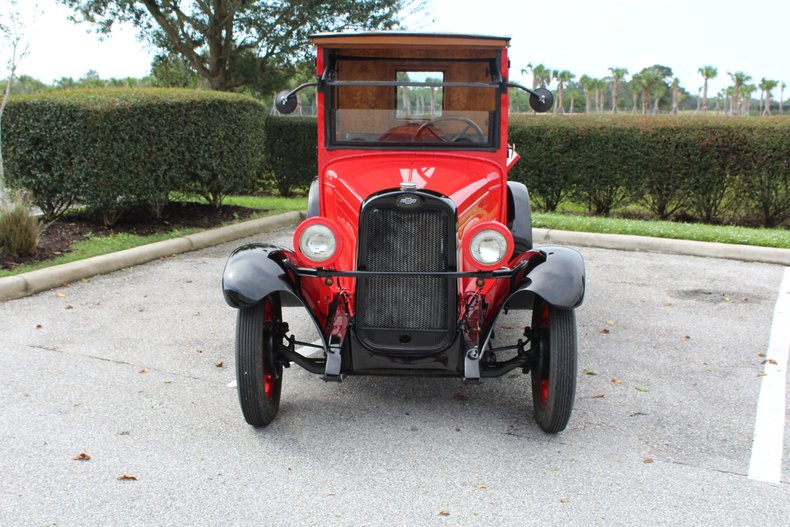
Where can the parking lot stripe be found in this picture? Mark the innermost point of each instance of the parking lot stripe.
(769, 424)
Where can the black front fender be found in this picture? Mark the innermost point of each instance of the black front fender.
(253, 271)
(560, 281)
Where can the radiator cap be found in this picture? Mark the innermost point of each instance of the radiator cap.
(408, 185)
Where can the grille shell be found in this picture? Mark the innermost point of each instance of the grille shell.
(407, 313)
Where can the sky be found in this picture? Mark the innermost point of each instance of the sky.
(583, 36)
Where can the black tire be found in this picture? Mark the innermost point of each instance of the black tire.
(259, 376)
(554, 371)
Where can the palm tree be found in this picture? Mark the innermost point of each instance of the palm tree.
(746, 98)
(587, 83)
(599, 85)
(782, 87)
(739, 78)
(635, 87)
(618, 74)
(699, 97)
(766, 85)
(563, 77)
(675, 95)
(707, 72)
(541, 75)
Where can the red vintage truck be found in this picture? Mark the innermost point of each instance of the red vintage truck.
(415, 241)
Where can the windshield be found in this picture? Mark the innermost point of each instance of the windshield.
(409, 103)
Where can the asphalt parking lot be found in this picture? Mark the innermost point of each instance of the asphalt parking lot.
(132, 369)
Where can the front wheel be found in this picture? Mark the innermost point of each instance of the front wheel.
(554, 370)
(259, 375)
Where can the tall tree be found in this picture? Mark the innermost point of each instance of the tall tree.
(563, 77)
(766, 85)
(675, 95)
(635, 87)
(708, 72)
(739, 78)
(618, 74)
(235, 43)
(746, 98)
(782, 87)
(587, 83)
(541, 75)
(599, 85)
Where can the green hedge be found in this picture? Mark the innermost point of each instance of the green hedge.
(114, 149)
(716, 169)
(291, 152)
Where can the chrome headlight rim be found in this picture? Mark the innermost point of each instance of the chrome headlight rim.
(486, 237)
(318, 231)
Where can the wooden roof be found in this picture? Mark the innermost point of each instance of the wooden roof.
(391, 39)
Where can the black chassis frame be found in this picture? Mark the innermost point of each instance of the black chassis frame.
(552, 273)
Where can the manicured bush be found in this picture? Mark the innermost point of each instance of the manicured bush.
(718, 169)
(291, 152)
(115, 149)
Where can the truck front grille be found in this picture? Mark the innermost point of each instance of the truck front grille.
(406, 241)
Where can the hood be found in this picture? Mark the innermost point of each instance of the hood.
(476, 185)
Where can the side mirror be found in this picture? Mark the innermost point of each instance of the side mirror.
(286, 105)
(541, 100)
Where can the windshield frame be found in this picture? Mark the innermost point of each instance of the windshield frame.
(328, 85)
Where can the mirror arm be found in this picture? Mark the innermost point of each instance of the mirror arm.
(520, 87)
(299, 88)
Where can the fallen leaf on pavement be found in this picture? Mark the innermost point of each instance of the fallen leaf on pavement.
(443, 512)
(616, 381)
(168, 381)
(769, 361)
(82, 457)
(588, 371)
(69, 306)
(61, 295)
(762, 355)
(641, 389)
(762, 374)
(565, 500)
(686, 337)
(481, 486)
(39, 326)
(610, 322)
(127, 477)
(634, 414)
(220, 364)
(599, 396)
(647, 460)
(143, 370)
(605, 331)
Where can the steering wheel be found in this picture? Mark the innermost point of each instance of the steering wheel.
(459, 137)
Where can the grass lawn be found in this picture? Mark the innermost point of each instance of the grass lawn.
(665, 229)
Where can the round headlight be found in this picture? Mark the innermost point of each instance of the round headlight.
(317, 242)
(488, 247)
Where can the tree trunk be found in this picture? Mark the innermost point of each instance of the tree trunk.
(781, 100)
(636, 101)
(704, 96)
(767, 107)
(675, 100)
(587, 101)
(614, 96)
